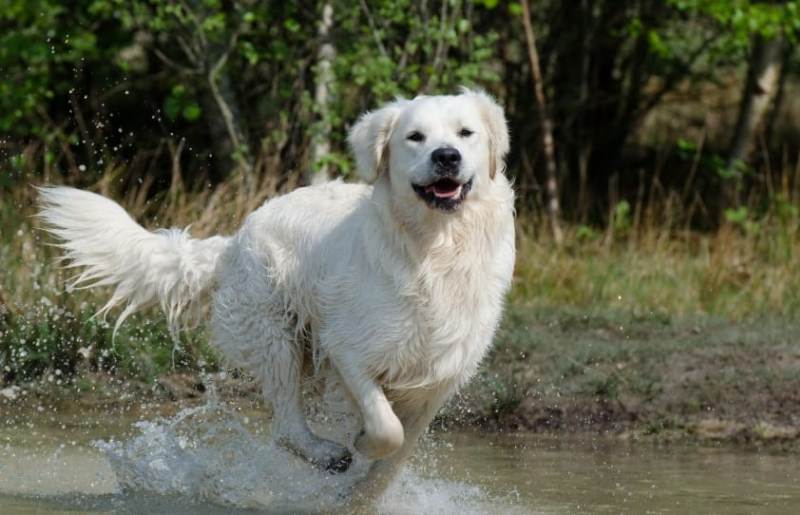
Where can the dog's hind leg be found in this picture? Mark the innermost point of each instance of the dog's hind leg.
(281, 376)
(258, 336)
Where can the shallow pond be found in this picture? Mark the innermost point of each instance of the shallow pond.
(204, 463)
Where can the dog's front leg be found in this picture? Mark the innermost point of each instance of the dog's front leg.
(416, 415)
(383, 432)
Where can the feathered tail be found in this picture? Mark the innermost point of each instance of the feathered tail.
(165, 266)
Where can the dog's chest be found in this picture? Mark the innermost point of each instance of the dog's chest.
(414, 323)
(446, 318)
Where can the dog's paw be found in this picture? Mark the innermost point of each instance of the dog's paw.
(377, 444)
(327, 455)
(339, 465)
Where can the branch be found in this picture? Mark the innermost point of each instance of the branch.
(197, 25)
(374, 29)
(231, 126)
(440, 48)
(223, 59)
(173, 64)
(191, 54)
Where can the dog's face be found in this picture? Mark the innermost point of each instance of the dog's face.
(437, 152)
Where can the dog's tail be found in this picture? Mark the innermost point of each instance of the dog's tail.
(165, 266)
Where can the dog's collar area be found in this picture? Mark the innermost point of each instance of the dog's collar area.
(445, 194)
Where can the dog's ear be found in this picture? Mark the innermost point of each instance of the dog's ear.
(369, 139)
(495, 120)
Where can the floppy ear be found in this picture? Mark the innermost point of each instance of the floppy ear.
(495, 120)
(369, 139)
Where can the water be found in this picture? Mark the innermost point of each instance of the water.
(214, 460)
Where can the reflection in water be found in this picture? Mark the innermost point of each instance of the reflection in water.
(607, 476)
(208, 461)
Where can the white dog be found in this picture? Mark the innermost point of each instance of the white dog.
(397, 285)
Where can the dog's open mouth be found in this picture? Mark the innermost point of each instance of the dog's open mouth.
(444, 194)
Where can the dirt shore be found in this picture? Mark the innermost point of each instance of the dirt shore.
(550, 371)
(640, 376)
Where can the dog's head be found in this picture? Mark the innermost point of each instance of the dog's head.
(437, 150)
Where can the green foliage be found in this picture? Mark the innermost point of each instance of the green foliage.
(621, 217)
(585, 233)
(109, 81)
(180, 102)
(69, 70)
(744, 18)
(54, 339)
(41, 43)
(737, 216)
(415, 49)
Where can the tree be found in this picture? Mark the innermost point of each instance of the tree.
(759, 92)
(546, 123)
(319, 171)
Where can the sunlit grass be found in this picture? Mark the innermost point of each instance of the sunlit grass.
(730, 273)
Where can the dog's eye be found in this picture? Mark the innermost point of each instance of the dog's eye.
(416, 136)
(465, 133)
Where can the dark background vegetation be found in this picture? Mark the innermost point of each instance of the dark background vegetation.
(644, 94)
(675, 164)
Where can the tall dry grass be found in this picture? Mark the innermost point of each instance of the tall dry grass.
(648, 259)
(730, 273)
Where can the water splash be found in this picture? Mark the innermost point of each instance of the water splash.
(206, 454)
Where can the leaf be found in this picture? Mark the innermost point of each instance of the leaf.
(291, 25)
(736, 216)
(192, 112)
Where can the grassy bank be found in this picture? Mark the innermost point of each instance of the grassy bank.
(573, 369)
(639, 328)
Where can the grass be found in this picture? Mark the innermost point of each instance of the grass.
(731, 273)
(566, 368)
(641, 325)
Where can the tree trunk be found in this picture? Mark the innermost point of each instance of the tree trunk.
(546, 123)
(780, 94)
(319, 171)
(760, 87)
(583, 135)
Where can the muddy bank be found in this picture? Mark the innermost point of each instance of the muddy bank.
(640, 376)
(647, 377)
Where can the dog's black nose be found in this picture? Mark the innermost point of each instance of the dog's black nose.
(446, 157)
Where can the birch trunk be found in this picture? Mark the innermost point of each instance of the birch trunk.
(319, 171)
(759, 91)
(546, 123)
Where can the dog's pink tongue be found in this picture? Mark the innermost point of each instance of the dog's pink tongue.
(445, 189)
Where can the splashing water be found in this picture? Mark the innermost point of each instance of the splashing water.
(206, 454)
